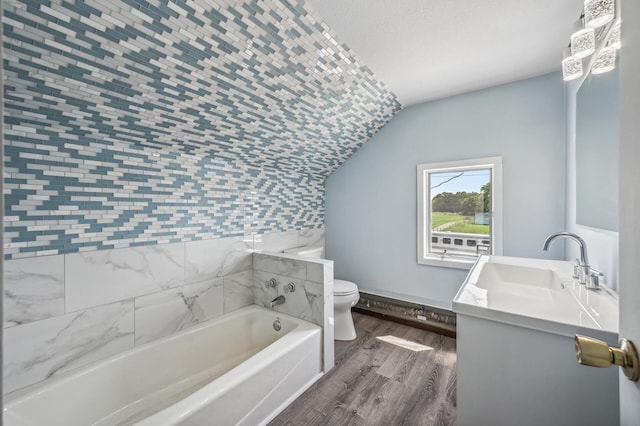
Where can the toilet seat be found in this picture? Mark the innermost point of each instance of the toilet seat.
(344, 288)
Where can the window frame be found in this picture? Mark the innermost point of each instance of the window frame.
(426, 257)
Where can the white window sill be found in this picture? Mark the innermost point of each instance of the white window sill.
(449, 261)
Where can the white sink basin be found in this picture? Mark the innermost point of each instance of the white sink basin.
(536, 293)
(502, 275)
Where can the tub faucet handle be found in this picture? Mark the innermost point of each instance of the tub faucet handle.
(272, 283)
(290, 288)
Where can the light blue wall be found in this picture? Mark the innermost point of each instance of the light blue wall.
(371, 199)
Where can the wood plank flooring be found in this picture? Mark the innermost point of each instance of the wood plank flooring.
(379, 383)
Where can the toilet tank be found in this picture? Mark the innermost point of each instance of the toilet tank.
(306, 251)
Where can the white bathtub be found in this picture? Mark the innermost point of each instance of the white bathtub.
(232, 370)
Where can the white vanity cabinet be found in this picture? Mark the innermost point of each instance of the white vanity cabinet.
(516, 320)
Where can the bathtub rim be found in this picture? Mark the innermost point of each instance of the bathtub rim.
(12, 398)
(183, 409)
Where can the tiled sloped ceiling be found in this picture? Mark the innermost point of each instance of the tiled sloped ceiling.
(131, 122)
(261, 83)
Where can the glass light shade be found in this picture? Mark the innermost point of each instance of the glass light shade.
(598, 12)
(583, 42)
(571, 68)
(615, 36)
(605, 60)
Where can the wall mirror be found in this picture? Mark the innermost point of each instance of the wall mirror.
(597, 140)
(598, 132)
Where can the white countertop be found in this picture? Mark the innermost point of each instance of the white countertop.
(539, 294)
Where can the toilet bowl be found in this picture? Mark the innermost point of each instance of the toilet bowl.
(345, 296)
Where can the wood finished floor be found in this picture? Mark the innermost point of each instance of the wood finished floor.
(378, 383)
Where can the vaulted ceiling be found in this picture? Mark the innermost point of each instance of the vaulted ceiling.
(261, 82)
(429, 49)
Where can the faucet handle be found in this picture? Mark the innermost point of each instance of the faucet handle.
(576, 269)
(272, 283)
(596, 272)
(593, 280)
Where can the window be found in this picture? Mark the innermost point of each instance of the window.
(459, 211)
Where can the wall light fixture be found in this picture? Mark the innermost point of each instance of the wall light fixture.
(598, 12)
(593, 35)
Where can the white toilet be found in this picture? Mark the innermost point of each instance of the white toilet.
(345, 295)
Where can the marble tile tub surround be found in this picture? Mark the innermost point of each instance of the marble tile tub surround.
(104, 276)
(63, 311)
(312, 299)
(33, 289)
(41, 349)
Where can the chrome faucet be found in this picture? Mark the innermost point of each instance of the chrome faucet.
(585, 274)
(277, 301)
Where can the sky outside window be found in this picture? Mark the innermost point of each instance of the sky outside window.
(469, 181)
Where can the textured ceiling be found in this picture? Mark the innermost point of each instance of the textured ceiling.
(428, 49)
(258, 82)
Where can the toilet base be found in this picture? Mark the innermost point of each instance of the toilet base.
(343, 329)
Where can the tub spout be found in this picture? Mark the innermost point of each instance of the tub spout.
(277, 301)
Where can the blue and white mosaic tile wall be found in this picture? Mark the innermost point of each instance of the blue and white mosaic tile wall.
(132, 122)
(79, 197)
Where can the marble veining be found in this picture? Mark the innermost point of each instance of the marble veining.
(238, 291)
(100, 277)
(167, 312)
(318, 270)
(306, 302)
(311, 237)
(33, 289)
(41, 349)
(208, 259)
(280, 265)
(276, 241)
(315, 298)
(262, 294)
